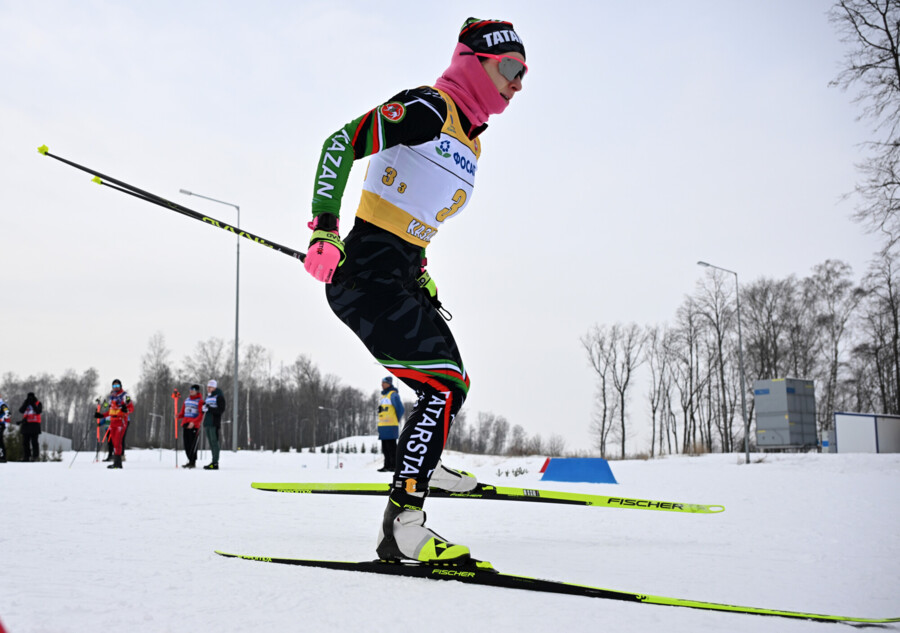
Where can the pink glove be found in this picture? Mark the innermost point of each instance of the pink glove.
(326, 251)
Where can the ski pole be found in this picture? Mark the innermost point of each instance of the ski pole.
(103, 441)
(175, 396)
(131, 190)
(87, 430)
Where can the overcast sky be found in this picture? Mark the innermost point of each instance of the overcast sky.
(648, 136)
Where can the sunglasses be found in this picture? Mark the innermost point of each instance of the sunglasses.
(509, 67)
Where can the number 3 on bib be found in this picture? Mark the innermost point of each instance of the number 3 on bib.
(459, 199)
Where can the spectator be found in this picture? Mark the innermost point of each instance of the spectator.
(117, 406)
(390, 412)
(212, 421)
(31, 427)
(191, 416)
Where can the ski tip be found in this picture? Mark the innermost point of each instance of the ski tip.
(97, 180)
(43, 149)
(716, 509)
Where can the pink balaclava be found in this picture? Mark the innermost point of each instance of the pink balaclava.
(466, 81)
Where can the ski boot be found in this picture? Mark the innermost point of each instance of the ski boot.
(403, 534)
(190, 464)
(117, 462)
(213, 466)
(452, 480)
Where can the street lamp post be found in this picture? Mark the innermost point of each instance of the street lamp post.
(737, 293)
(237, 310)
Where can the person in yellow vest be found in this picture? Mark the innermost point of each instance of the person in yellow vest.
(390, 412)
(423, 145)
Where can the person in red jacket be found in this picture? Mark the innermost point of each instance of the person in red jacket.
(31, 427)
(117, 406)
(191, 417)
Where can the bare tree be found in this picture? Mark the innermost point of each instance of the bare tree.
(766, 317)
(657, 358)
(498, 435)
(885, 300)
(687, 373)
(716, 305)
(599, 344)
(836, 299)
(518, 441)
(535, 445)
(872, 30)
(206, 361)
(256, 370)
(482, 439)
(875, 358)
(154, 405)
(556, 445)
(626, 359)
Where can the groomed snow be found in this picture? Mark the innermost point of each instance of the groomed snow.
(83, 548)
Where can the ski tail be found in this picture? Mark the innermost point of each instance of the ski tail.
(483, 573)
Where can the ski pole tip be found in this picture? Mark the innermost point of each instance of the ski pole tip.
(97, 180)
(43, 149)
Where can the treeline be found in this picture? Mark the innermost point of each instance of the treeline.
(824, 327)
(289, 407)
(71, 398)
(492, 435)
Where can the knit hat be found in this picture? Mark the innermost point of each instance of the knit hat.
(388, 379)
(195, 387)
(491, 36)
(212, 383)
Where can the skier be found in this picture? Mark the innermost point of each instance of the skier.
(4, 420)
(117, 406)
(191, 416)
(424, 145)
(213, 409)
(31, 427)
(390, 411)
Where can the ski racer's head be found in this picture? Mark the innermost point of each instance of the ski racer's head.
(117, 385)
(500, 51)
(486, 70)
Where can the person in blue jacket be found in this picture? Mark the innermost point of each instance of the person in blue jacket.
(390, 412)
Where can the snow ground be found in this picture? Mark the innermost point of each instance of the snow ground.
(83, 548)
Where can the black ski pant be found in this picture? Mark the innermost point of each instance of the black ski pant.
(190, 443)
(389, 450)
(375, 293)
(31, 431)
